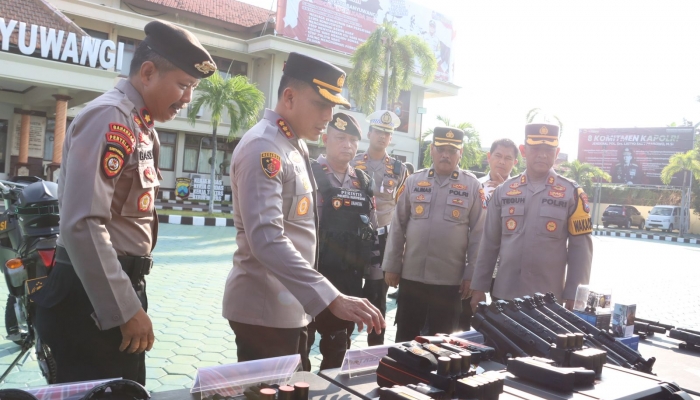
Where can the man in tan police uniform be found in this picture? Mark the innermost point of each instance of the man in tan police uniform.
(434, 240)
(540, 225)
(274, 289)
(389, 175)
(92, 310)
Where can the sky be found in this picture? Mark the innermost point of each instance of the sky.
(593, 64)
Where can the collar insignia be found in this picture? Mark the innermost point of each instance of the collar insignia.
(550, 180)
(455, 175)
(285, 128)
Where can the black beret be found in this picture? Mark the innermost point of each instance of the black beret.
(536, 134)
(180, 47)
(326, 78)
(346, 123)
(446, 136)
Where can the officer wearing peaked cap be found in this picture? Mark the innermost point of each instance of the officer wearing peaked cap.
(274, 289)
(91, 310)
(389, 175)
(539, 224)
(434, 240)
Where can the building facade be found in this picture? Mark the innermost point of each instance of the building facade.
(57, 55)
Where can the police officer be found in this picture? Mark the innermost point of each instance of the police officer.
(92, 309)
(389, 175)
(346, 229)
(274, 288)
(626, 171)
(434, 240)
(502, 157)
(540, 225)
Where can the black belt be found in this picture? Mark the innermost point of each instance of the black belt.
(136, 267)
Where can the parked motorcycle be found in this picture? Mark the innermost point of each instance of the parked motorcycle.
(28, 233)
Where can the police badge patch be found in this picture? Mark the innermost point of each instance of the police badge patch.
(271, 163)
(455, 214)
(511, 224)
(303, 206)
(419, 210)
(145, 201)
(337, 203)
(112, 163)
(551, 226)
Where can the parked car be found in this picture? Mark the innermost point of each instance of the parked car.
(622, 217)
(666, 218)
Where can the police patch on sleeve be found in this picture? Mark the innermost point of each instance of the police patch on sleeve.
(112, 161)
(580, 220)
(119, 128)
(271, 163)
(121, 140)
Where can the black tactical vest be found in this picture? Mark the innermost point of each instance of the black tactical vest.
(346, 237)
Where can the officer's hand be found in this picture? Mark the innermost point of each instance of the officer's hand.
(359, 311)
(392, 279)
(569, 304)
(464, 289)
(137, 333)
(477, 297)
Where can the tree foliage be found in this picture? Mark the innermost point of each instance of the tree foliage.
(583, 173)
(384, 51)
(541, 116)
(681, 162)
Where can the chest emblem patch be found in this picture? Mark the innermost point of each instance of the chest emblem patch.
(271, 163)
(551, 226)
(424, 184)
(455, 214)
(303, 206)
(419, 210)
(514, 192)
(337, 203)
(459, 186)
(511, 224)
(457, 201)
(556, 195)
(112, 163)
(145, 201)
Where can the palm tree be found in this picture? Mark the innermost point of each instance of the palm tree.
(686, 162)
(535, 112)
(396, 56)
(235, 95)
(471, 150)
(583, 173)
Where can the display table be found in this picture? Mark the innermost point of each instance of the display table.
(320, 389)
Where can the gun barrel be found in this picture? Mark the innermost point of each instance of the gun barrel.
(655, 323)
(482, 325)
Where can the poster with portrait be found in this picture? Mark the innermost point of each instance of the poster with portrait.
(402, 108)
(634, 156)
(342, 25)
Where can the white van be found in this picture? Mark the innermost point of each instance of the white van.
(666, 218)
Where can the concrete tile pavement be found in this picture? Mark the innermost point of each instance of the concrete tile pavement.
(185, 291)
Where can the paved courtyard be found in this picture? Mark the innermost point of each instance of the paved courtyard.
(192, 262)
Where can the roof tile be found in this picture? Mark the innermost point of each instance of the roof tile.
(37, 12)
(232, 11)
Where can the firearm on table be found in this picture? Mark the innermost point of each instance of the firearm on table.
(690, 338)
(606, 339)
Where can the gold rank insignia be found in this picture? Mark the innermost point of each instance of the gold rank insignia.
(205, 67)
(303, 206)
(550, 180)
(511, 210)
(346, 202)
(337, 203)
(551, 226)
(359, 162)
(523, 180)
(420, 198)
(544, 130)
(285, 128)
(424, 184)
(459, 186)
(457, 201)
(455, 175)
(449, 135)
(455, 214)
(419, 210)
(146, 117)
(559, 188)
(361, 167)
(511, 224)
(514, 192)
(556, 195)
(391, 183)
(340, 124)
(514, 185)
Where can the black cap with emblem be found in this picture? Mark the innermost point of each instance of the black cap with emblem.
(325, 78)
(547, 134)
(446, 136)
(345, 123)
(180, 47)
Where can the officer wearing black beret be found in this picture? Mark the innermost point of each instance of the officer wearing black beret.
(91, 311)
(274, 289)
(347, 224)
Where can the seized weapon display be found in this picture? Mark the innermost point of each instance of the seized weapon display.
(690, 338)
(544, 372)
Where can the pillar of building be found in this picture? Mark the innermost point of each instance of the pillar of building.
(59, 135)
(22, 166)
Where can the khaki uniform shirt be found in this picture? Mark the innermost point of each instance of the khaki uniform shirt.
(542, 233)
(435, 233)
(387, 182)
(273, 282)
(350, 181)
(106, 188)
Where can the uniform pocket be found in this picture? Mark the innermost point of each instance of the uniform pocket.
(420, 205)
(302, 203)
(552, 222)
(389, 184)
(456, 210)
(512, 219)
